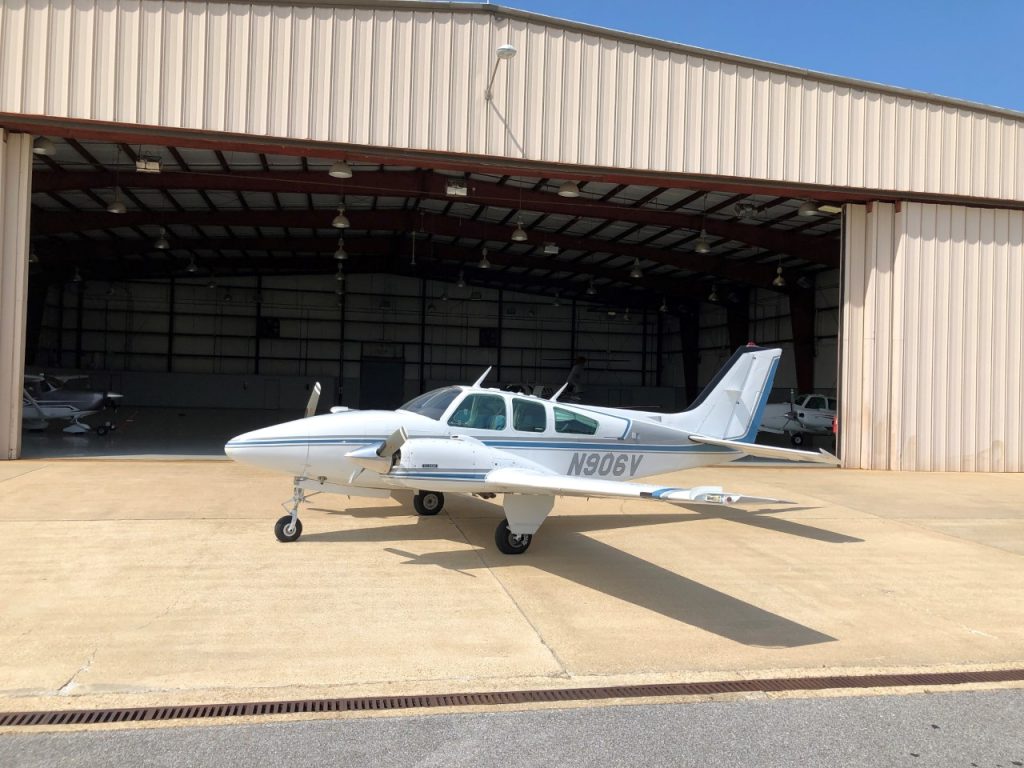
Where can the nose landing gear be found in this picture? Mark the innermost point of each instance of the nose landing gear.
(289, 527)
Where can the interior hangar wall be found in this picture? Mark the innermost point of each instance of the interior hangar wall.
(933, 353)
(410, 78)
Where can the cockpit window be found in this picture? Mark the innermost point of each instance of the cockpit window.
(480, 412)
(432, 404)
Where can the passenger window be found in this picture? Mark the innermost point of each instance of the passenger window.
(528, 416)
(480, 412)
(574, 423)
(817, 403)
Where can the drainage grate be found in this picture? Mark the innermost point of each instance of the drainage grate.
(370, 703)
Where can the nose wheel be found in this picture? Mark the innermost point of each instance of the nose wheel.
(511, 543)
(289, 527)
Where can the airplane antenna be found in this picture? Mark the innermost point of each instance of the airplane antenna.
(561, 389)
(480, 381)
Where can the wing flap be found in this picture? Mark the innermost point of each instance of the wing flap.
(531, 482)
(770, 451)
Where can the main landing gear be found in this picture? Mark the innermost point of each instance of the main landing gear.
(511, 543)
(289, 527)
(428, 503)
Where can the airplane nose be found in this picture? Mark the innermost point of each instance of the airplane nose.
(282, 448)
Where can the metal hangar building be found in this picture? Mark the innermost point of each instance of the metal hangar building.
(209, 204)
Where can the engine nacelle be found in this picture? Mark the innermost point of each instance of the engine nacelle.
(455, 454)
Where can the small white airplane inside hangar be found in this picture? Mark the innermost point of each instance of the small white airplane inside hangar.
(482, 441)
(803, 415)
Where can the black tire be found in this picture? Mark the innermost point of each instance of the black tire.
(280, 529)
(511, 543)
(102, 429)
(428, 503)
(797, 438)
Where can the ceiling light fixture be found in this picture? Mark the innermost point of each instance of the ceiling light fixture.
(664, 306)
(148, 164)
(591, 290)
(341, 220)
(78, 276)
(808, 208)
(43, 146)
(117, 204)
(461, 282)
(340, 170)
(745, 210)
(484, 263)
(713, 296)
(568, 189)
(636, 273)
(455, 188)
(161, 243)
(192, 265)
(444, 295)
(519, 234)
(779, 281)
(551, 249)
(340, 254)
(702, 246)
(33, 258)
(556, 302)
(503, 53)
(339, 275)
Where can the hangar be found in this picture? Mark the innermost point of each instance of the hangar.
(209, 204)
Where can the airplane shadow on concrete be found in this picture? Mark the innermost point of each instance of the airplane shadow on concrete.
(563, 550)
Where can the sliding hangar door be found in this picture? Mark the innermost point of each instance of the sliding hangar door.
(694, 193)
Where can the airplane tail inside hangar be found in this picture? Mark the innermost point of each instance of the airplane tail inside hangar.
(209, 205)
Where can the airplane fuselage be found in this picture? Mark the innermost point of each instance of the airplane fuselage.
(452, 451)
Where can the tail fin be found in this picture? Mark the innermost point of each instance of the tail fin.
(732, 405)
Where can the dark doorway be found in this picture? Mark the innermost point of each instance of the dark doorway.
(381, 383)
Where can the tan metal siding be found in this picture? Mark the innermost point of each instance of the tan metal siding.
(403, 78)
(933, 352)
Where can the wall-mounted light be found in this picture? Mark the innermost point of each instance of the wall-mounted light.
(503, 53)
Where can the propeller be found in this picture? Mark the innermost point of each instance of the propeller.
(314, 398)
(393, 443)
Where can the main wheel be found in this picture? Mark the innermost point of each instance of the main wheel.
(102, 429)
(797, 438)
(511, 543)
(285, 531)
(428, 502)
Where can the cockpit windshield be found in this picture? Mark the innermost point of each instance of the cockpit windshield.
(432, 404)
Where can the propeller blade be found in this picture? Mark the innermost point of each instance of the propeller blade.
(314, 398)
(393, 443)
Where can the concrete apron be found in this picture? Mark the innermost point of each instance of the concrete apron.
(144, 583)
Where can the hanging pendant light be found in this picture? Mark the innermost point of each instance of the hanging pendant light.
(484, 263)
(636, 273)
(161, 243)
(340, 170)
(519, 234)
(192, 265)
(43, 146)
(713, 296)
(78, 276)
(702, 246)
(779, 281)
(462, 281)
(341, 220)
(664, 306)
(591, 290)
(340, 254)
(117, 204)
(568, 189)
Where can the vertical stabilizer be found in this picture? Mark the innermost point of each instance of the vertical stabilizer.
(732, 405)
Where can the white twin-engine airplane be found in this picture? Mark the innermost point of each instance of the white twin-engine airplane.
(482, 441)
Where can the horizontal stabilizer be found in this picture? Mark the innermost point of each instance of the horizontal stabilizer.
(770, 451)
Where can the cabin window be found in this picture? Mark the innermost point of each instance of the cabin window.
(528, 416)
(832, 404)
(815, 402)
(480, 412)
(432, 404)
(574, 423)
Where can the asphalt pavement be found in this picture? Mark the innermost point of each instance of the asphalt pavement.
(970, 728)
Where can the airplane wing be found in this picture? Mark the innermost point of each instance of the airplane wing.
(532, 482)
(770, 451)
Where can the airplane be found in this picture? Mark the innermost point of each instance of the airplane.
(803, 415)
(45, 398)
(482, 441)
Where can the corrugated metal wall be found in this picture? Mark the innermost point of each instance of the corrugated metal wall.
(933, 342)
(415, 79)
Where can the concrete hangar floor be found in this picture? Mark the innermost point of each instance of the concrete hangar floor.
(162, 586)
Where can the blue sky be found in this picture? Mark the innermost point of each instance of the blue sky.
(967, 49)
